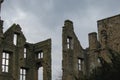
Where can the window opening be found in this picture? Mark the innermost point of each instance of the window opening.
(69, 43)
(15, 39)
(79, 64)
(40, 55)
(40, 73)
(22, 74)
(5, 62)
(25, 52)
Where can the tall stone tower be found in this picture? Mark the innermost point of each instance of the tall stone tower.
(73, 57)
(92, 54)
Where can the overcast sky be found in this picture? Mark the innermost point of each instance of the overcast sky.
(43, 19)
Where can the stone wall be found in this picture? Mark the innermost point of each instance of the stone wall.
(108, 38)
(72, 53)
(30, 60)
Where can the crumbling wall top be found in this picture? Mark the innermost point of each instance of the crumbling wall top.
(92, 33)
(107, 19)
(68, 24)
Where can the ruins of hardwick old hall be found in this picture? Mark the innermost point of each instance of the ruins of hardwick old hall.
(20, 60)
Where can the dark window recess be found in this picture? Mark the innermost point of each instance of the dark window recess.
(40, 55)
(79, 64)
(69, 43)
(25, 53)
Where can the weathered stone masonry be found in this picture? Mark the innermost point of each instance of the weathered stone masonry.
(78, 61)
(23, 55)
(20, 60)
(72, 53)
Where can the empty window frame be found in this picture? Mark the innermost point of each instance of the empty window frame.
(5, 61)
(40, 55)
(69, 43)
(25, 53)
(22, 74)
(79, 64)
(40, 73)
(15, 39)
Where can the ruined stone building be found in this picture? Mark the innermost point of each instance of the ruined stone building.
(20, 60)
(78, 61)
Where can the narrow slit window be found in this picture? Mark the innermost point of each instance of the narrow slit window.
(40, 55)
(69, 43)
(15, 39)
(25, 53)
(5, 62)
(79, 64)
(22, 74)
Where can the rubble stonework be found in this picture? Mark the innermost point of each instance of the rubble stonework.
(72, 53)
(29, 60)
(21, 60)
(108, 38)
